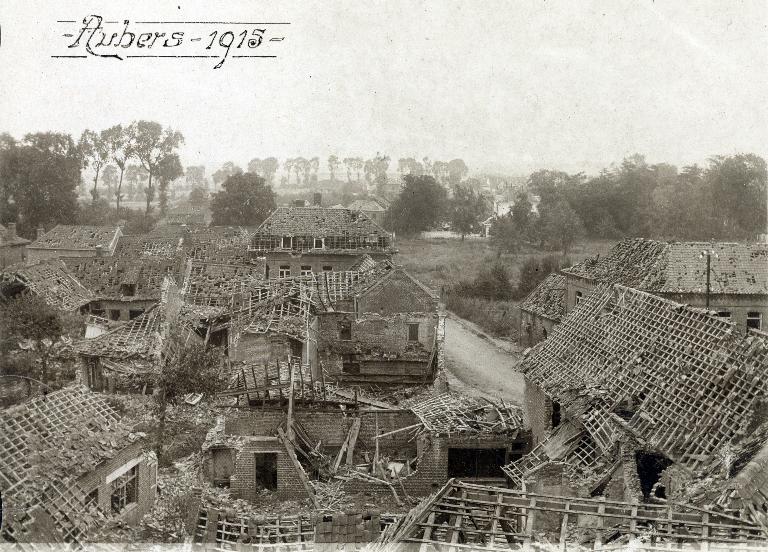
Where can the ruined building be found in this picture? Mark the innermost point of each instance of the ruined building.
(636, 397)
(74, 241)
(738, 275)
(542, 309)
(50, 280)
(67, 463)
(297, 241)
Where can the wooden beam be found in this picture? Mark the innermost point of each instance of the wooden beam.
(354, 432)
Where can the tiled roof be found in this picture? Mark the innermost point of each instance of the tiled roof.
(46, 443)
(694, 378)
(548, 299)
(76, 237)
(137, 339)
(365, 205)
(50, 280)
(676, 267)
(320, 222)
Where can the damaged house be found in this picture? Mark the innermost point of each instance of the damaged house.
(298, 430)
(542, 309)
(50, 280)
(631, 391)
(127, 357)
(298, 241)
(74, 241)
(735, 288)
(387, 330)
(68, 462)
(371, 324)
(13, 248)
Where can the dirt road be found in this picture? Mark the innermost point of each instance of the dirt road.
(478, 367)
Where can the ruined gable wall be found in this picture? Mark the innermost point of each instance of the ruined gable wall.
(398, 294)
(532, 328)
(538, 412)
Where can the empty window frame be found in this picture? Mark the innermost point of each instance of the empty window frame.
(135, 313)
(114, 314)
(306, 270)
(413, 331)
(286, 242)
(345, 330)
(284, 272)
(327, 268)
(724, 314)
(577, 298)
(125, 490)
(265, 467)
(755, 320)
(319, 243)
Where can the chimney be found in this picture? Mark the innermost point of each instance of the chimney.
(317, 199)
(99, 250)
(11, 231)
(40, 232)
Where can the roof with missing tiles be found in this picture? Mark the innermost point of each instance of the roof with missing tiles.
(548, 299)
(50, 280)
(320, 222)
(77, 237)
(679, 267)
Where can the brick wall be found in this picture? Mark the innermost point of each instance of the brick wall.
(243, 482)
(147, 482)
(106, 306)
(397, 294)
(379, 344)
(534, 328)
(538, 412)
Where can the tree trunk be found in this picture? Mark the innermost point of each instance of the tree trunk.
(149, 196)
(160, 441)
(119, 188)
(95, 184)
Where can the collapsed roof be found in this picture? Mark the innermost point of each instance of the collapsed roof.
(452, 413)
(78, 237)
(465, 516)
(548, 299)
(676, 267)
(45, 445)
(50, 280)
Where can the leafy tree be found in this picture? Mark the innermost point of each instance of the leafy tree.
(269, 167)
(535, 270)
(152, 145)
(522, 215)
(560, 225)
(109, 177)
(467, 209)
(490, 283)
(245, 200)
(35, 338)
(254, 166)
(168, 170)
(738, 194)
(118, 140)
(419, 206)
(226, 170)
(314, 165)
(42, 170)
(504, 234)
(333, 166)
(186, 367)
(457, 171)
(135, 176)
(301, 166)
(195, 176)
(197, 197)
(94, 150)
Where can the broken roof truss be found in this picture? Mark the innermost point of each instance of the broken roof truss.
(463, 516)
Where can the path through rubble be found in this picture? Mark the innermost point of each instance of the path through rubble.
(477, 367)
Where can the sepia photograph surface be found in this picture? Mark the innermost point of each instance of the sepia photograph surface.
(402, 276)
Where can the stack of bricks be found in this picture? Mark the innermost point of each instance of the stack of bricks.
(346, 532)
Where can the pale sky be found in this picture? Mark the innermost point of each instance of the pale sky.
(512, 85)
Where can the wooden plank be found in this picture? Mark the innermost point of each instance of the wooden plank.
(564, 528)
(299, 469)
(427, 533)
(495, 521)
(353, 440)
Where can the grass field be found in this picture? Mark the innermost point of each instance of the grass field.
(442, 263)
